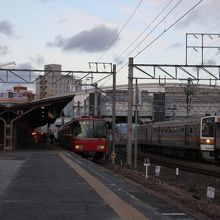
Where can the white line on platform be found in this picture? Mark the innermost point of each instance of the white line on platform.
(174, 214)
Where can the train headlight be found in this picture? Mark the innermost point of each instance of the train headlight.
(207, 141)
(100, 147)
(79, 147)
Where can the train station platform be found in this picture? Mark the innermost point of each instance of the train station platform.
(49, 183)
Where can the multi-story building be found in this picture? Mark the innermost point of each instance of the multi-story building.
(25, 92)
(155, 102)
(19, 95)
(54, 82)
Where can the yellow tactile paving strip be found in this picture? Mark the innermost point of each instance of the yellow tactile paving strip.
(123, 209)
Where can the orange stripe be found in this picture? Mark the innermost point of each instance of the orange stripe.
(176, 139)
(203, 140)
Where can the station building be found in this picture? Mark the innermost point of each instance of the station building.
(155, 102)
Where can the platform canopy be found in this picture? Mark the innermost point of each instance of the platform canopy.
(36, 113)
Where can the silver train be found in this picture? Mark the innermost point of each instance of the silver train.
(183, 138)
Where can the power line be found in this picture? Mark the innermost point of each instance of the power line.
(146, 28)
(212, 27)
(148, 33)
(6, 47)
(168, 28)
(107, 48)
(163, 32)
(173, 24)
(153, 28)
(207, 31)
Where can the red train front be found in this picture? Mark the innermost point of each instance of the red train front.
(86, 136)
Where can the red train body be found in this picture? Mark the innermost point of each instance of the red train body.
(86, 136)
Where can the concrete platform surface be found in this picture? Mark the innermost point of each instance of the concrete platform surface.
(56, 184)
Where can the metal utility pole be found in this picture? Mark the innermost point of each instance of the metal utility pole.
(113, 107)
(136, 122)
(203, 43)
(130, 104)
(96, 100)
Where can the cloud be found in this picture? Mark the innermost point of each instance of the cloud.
(58, 42)
(15, 79)
(37, 59)
(211, 62)
(25, 66)
(192, 18)
(46, 0)
(6, 28)
(94, 40)
(3, 51)
(174, 46)
(205, 14)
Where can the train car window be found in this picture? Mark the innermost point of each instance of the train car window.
(179, 131)
(191, 130)
(154, 132)
(174, 131)
(166, 132)
(217, 130)
(77, 129)
(90, 129)
(99, 129)
(169, 131)
(83, 129)
(10, 95)
(208, 127)
(196, 129)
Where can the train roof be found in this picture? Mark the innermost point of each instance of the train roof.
(82, 119)
(88, 118)
(182, 119)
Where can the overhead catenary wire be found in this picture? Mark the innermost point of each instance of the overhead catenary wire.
(115, 38)
(8, 51)
(145, 30)
(173, 24)
(154, 40)
(193, 57)
(153, 29)
(167, 5)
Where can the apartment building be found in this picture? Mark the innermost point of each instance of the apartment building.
(55, 82)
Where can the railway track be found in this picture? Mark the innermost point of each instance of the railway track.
(194, 167)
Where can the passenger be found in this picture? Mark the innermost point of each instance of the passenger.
(52, 137)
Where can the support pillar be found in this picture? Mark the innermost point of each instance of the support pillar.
(130, 104)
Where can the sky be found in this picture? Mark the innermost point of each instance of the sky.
(73, 33)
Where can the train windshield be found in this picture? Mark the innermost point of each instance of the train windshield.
(90, 129)
(208, 125)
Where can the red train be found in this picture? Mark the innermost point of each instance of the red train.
(86, 136)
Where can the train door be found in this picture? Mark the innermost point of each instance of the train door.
(159, 134)
(217, 136)
(149, 135)
(1, 136)
(186, 134)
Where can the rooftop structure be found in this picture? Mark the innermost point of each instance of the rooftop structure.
(18, 95)
(53, 82)
(155, 102)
